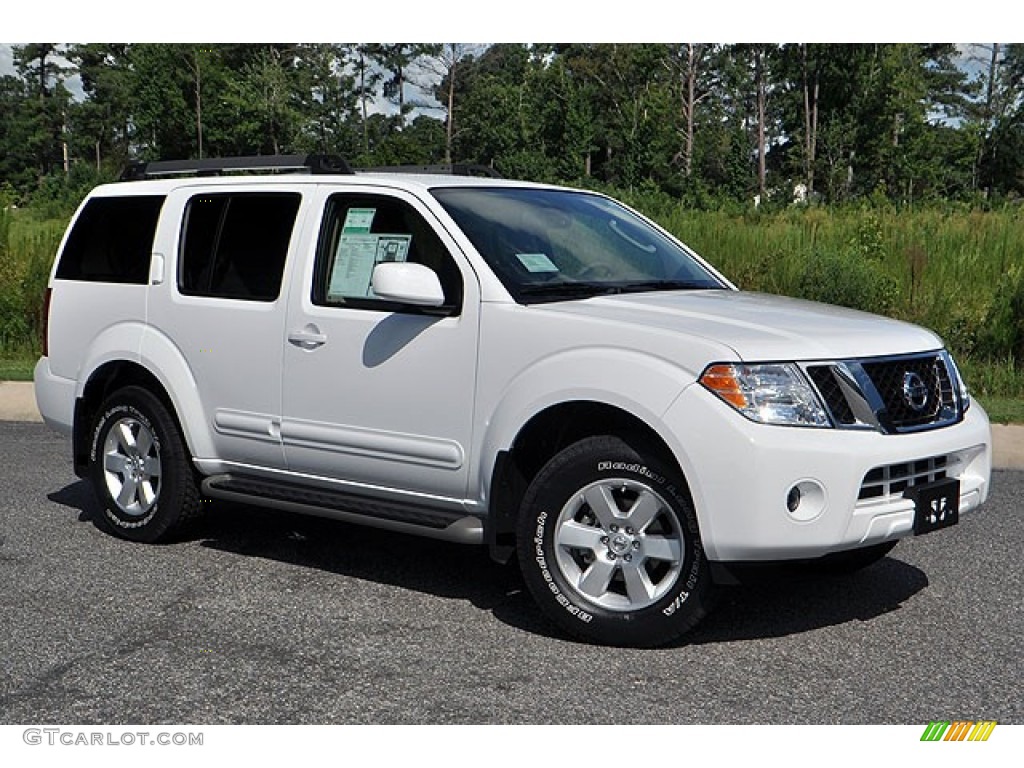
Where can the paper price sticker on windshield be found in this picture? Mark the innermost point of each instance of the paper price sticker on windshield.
(536, 262)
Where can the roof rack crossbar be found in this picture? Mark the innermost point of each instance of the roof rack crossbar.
(447, 169)
(217, 166)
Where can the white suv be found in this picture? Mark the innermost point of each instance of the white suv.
(537, 369)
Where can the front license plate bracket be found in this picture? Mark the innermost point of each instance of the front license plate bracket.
(936, 505)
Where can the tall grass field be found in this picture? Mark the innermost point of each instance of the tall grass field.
(958, 272)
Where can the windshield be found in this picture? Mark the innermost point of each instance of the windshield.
(552, 245)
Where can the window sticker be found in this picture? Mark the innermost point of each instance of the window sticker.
(536, 262)
(393, 247)
(358, 221)
(355, 259)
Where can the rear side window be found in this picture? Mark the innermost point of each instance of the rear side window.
(234, 245)
(112, 240)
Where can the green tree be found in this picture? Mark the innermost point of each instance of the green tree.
(266, 103)
(18, 162)
(102, 122)
(328, 100)
(45, 113)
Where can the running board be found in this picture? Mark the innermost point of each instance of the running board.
(361, 510)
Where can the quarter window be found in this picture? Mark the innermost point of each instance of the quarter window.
(112, 240)
(234, 245)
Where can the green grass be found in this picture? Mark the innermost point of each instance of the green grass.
(16, 370)
(957, 272)
(1003, 410)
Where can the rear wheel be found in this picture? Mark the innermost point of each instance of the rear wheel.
(609, 545)
(140, 468)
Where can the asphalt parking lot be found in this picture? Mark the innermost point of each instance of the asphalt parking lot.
(264, 617)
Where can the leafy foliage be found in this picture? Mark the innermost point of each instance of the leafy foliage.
(844, 122)
(892, 177)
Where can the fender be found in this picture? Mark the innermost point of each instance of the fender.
(580, 374)
(116, 343)
(162, 357)
(143, 345)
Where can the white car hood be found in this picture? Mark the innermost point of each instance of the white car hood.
(759, 326)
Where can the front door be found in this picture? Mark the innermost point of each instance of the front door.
(378, 397)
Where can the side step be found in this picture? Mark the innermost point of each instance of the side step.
(361, 510)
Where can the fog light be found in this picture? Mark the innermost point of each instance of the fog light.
(793, 498)
(806, 500)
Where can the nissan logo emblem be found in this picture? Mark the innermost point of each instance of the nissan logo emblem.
(915, 391)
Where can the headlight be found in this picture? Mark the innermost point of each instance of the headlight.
(771, 393)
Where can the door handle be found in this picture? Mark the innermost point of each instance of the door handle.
(308, 337)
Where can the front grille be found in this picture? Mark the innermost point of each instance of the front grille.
(896, 380)
(891, 395)
(892, 480)
(824, 379)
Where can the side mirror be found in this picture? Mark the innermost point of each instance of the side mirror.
(407, 284)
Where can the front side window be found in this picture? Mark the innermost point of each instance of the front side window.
(234, 246)
(552, 245)
(360, 231)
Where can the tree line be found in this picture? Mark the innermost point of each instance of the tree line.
(904, 123)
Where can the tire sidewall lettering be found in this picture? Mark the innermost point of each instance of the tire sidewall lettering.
(541, 559)
(542, 548)
(103, 426)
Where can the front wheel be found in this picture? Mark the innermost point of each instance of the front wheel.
(609, 545)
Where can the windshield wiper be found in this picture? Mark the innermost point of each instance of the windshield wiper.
(664, 285)
(566, 290)
(584, 290)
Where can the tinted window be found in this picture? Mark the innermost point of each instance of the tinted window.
(360, 231)
(235, 245)
(112, 240)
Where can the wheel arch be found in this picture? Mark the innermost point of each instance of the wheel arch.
(544, 435)
(105, 379)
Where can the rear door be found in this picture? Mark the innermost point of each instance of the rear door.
(223, 306)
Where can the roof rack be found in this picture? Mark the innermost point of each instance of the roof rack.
(218, 166)
(447, 169)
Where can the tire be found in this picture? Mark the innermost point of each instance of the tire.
(609, 546)
(140, 468)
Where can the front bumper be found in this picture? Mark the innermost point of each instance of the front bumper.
(740, 474)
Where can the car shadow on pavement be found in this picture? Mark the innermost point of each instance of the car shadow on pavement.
(773, 602)
(78, 496)
(787, 600)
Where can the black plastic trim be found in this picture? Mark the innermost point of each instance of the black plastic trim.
(507, 487)
(218, 166)
(294, 493)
